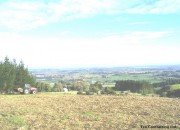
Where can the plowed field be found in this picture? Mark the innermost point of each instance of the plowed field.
(75, 112)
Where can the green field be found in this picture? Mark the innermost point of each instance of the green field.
(112, 78)
(175, 87)
(147, 77)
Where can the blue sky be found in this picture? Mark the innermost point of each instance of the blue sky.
(85, 33)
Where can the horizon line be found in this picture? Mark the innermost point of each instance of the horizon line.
(97, 66)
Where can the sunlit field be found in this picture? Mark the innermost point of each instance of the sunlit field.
(75, 112)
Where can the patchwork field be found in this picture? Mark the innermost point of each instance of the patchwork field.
(76, 112)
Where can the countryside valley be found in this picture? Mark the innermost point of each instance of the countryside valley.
(162, 80)
(119, 98)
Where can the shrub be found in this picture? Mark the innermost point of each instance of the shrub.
(112, 92)
(163, 94)
(89, 93)
(174, 93)
(80, 93)
(108, 90)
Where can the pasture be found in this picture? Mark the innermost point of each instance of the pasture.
(80, 112)
(175, 87)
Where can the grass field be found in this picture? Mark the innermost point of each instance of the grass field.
(112, 78)
(78, 112)
(175, 87)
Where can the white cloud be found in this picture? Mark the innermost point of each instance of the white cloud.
(23, 15)
(156, 7)
(27, 15)
(18, 19)
(127, 49)
(25, 6)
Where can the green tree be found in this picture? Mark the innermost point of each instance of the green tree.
(58, 87)
(1, 77)
(47, 87)
(43, 87)
(7, 75)
(143, 87)
(13, 75)
(97, 86)
(80, 85)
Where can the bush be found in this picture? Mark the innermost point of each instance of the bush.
(174, 93)
(103, 92)
(80, 93)
(89, 93)
(108, 91)
(112, 92)
(163, 94)
(125, 92)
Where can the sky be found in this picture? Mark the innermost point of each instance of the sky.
(90, 33)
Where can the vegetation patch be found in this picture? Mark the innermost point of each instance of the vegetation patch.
(175, 87)
(13, 120)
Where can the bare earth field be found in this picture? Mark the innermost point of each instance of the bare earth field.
(74, 112)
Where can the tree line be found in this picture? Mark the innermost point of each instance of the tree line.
(13, 75)
(164, 88)
(166, 82)
(83, 87)
(134, 86)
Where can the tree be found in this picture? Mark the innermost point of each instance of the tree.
(58, 87)
(13, 75)
(43, 87)
(174, 93)
(1, 77)
(108, 90)
(80, 85)
(95, 87)
(143, 87)
(7, 75)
